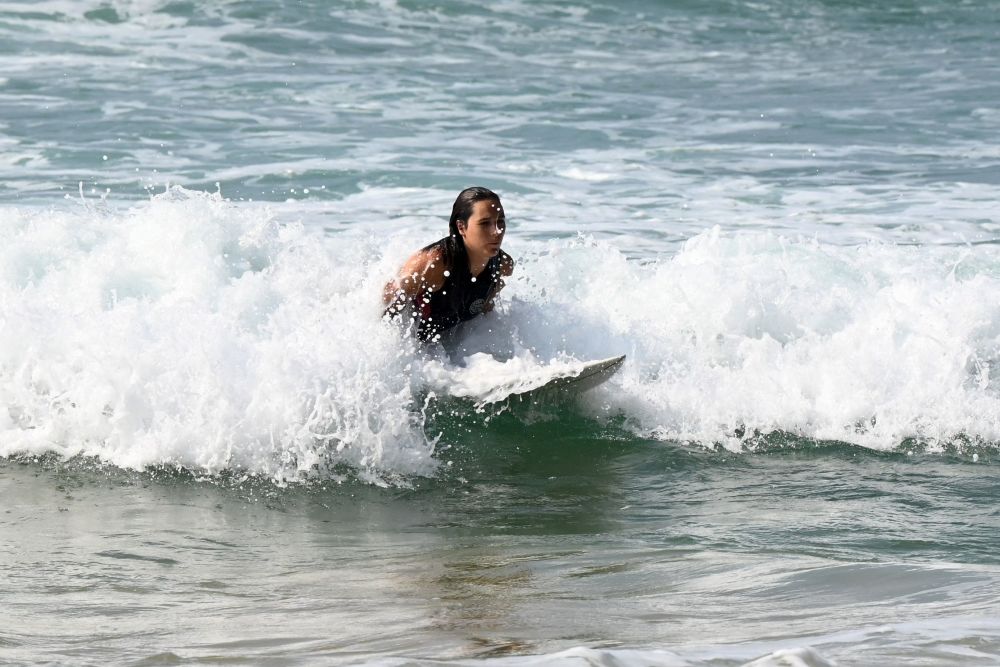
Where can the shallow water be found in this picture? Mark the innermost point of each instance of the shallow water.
(556, 537)
(784, 213)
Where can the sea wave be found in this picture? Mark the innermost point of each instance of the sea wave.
(193, 331)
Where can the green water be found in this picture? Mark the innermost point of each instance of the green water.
(532, 540)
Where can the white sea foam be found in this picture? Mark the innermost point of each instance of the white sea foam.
(193, 331)
(737, 335)
(186, 331)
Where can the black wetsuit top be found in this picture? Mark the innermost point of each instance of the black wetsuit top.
(437, 313)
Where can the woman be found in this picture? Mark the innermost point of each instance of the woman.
(454, 279)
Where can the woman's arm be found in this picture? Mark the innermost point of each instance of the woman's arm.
(422, 274)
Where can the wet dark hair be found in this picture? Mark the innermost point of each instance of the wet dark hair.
(453, 251)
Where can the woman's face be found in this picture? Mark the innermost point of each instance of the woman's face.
(483, 231)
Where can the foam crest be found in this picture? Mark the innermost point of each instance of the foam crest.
(741, 335)
(195, 332)
(187, 331)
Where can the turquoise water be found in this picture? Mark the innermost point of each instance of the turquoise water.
(784, 213)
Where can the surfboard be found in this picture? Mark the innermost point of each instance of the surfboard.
(574, 377)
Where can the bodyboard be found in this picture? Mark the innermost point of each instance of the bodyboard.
(568, 378)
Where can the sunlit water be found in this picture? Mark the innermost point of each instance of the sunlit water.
(784, 213)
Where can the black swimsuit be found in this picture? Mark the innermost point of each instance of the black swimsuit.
(436, 312)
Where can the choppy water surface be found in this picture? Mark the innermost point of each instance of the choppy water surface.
(783, 213)
(641, 118)
(536, 540)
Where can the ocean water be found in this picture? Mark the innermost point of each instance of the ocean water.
(213, 450)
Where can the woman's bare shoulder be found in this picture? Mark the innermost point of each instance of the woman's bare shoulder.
(426, 267)
(424, 260)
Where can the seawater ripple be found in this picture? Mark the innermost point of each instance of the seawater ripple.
(850, 121)
(548, 551)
